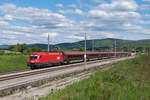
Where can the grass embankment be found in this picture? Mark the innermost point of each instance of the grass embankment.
(13, 62)
(128, 80)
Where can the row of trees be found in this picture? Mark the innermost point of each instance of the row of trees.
(133, 49)
(23, 48)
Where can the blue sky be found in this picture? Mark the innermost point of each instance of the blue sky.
(30, 21)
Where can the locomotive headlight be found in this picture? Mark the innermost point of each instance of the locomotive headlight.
(58, 57)
(37, 61)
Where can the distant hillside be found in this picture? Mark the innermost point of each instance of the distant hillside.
(5, 47)
(43, 46)
(104, 43)
(98, 44)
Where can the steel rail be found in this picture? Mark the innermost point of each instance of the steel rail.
(15, 71)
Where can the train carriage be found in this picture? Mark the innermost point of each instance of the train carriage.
(71, 56)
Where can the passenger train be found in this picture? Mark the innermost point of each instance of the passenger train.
(44, 59)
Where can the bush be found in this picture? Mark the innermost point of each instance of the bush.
(2, 52)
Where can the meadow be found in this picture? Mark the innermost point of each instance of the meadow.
(13, 62)
(127, 80)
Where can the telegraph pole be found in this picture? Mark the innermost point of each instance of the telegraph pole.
(135, 50)
(128, 48)
(85, 51)
(48, 43)
(115, 48)
(93, 45)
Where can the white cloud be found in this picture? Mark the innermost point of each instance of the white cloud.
(3, 23)
(146, 15)
(114, 16)
(60, 5)
(8, 17)
(120, 5)
(53, 34)
(72, 5)
(75, 11)
(38, 21)
(108, 35)
(118, 9)
(78, 11)
(99, 1)
(76, 37)
(31, 15)
(143, 22)
(116, 19)
(12, 32)
(98, 13)
(147, 0)
(145, 7)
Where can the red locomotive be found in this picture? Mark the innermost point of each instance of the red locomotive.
(41, 59)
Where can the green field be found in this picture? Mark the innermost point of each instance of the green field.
(13, 62)
(128, 80)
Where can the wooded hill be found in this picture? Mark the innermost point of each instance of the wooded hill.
(98, 44)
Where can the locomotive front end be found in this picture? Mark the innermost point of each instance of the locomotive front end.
(34, 61)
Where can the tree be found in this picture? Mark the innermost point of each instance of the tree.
(11, 47)
(36, 49)
(24, 47)
(19, 48)
(125, 49)
(139, 49)
(81, 49)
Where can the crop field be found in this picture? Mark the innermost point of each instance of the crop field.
(13, 62)
(127, 80)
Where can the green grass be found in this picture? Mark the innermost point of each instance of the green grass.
(128, 80)
(13, 62)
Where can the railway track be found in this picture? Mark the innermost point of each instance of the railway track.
(16, 71)
(24, 73)
(16, 81)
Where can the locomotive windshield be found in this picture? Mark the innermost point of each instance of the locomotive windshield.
(33, 56)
